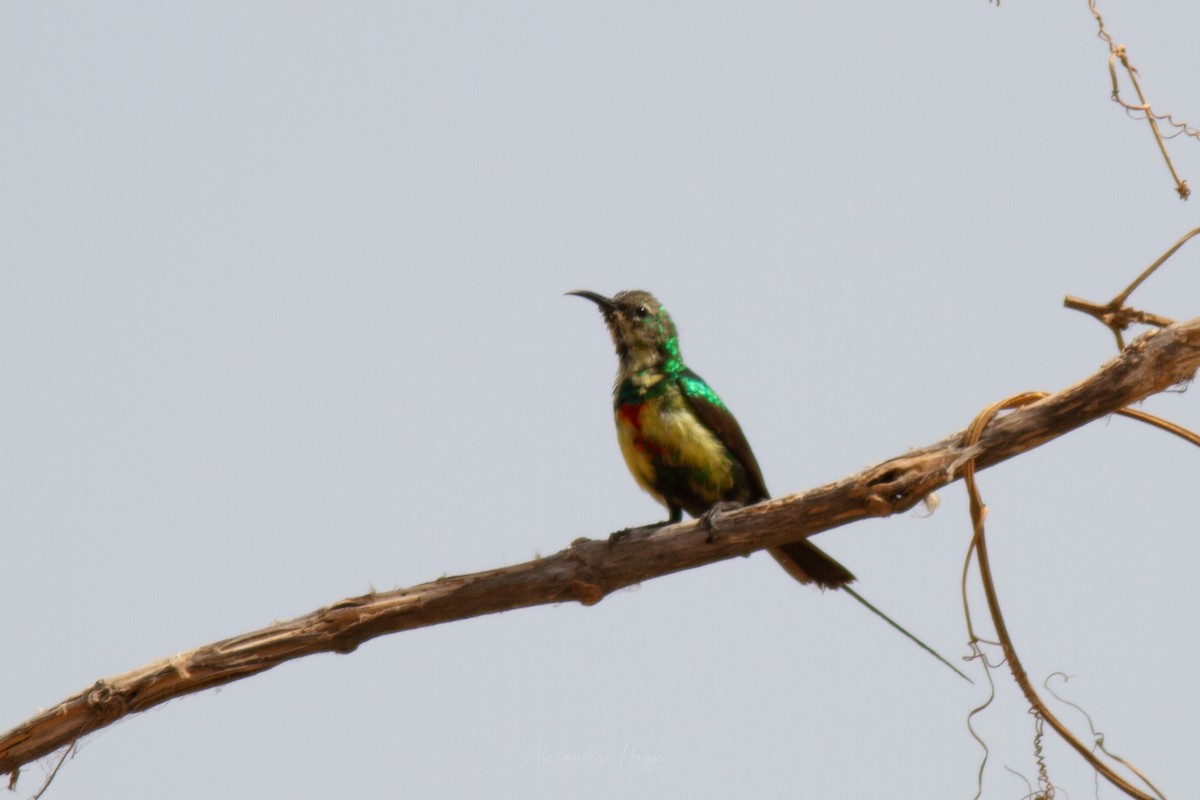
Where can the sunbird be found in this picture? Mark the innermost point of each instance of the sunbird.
(682, 444)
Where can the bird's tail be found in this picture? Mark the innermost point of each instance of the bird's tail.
(900, 628)
(807, 563)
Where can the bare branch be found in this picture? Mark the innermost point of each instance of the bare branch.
(589, 569)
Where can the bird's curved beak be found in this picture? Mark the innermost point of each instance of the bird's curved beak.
(605, 303)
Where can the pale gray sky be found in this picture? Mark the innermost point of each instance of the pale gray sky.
(282, 320)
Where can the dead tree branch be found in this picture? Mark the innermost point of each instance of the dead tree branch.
(589, 569)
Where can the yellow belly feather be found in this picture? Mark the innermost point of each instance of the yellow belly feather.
(665, 428)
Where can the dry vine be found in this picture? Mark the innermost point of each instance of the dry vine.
(1116, 317)
(978, 548)
(1117, 53)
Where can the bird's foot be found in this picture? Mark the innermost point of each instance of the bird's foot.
(709, 518)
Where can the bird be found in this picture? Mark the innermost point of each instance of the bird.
(683, 445)
(679, 439)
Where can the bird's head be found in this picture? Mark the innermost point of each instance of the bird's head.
(642, 330)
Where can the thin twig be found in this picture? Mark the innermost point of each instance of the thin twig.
(1114, 315)
(49, 778)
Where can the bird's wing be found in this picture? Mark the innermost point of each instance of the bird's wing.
(717, 418)
(803, 560)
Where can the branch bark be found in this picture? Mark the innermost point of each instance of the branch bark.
(589, 569)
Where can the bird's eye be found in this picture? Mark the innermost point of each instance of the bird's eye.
(643, 312)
